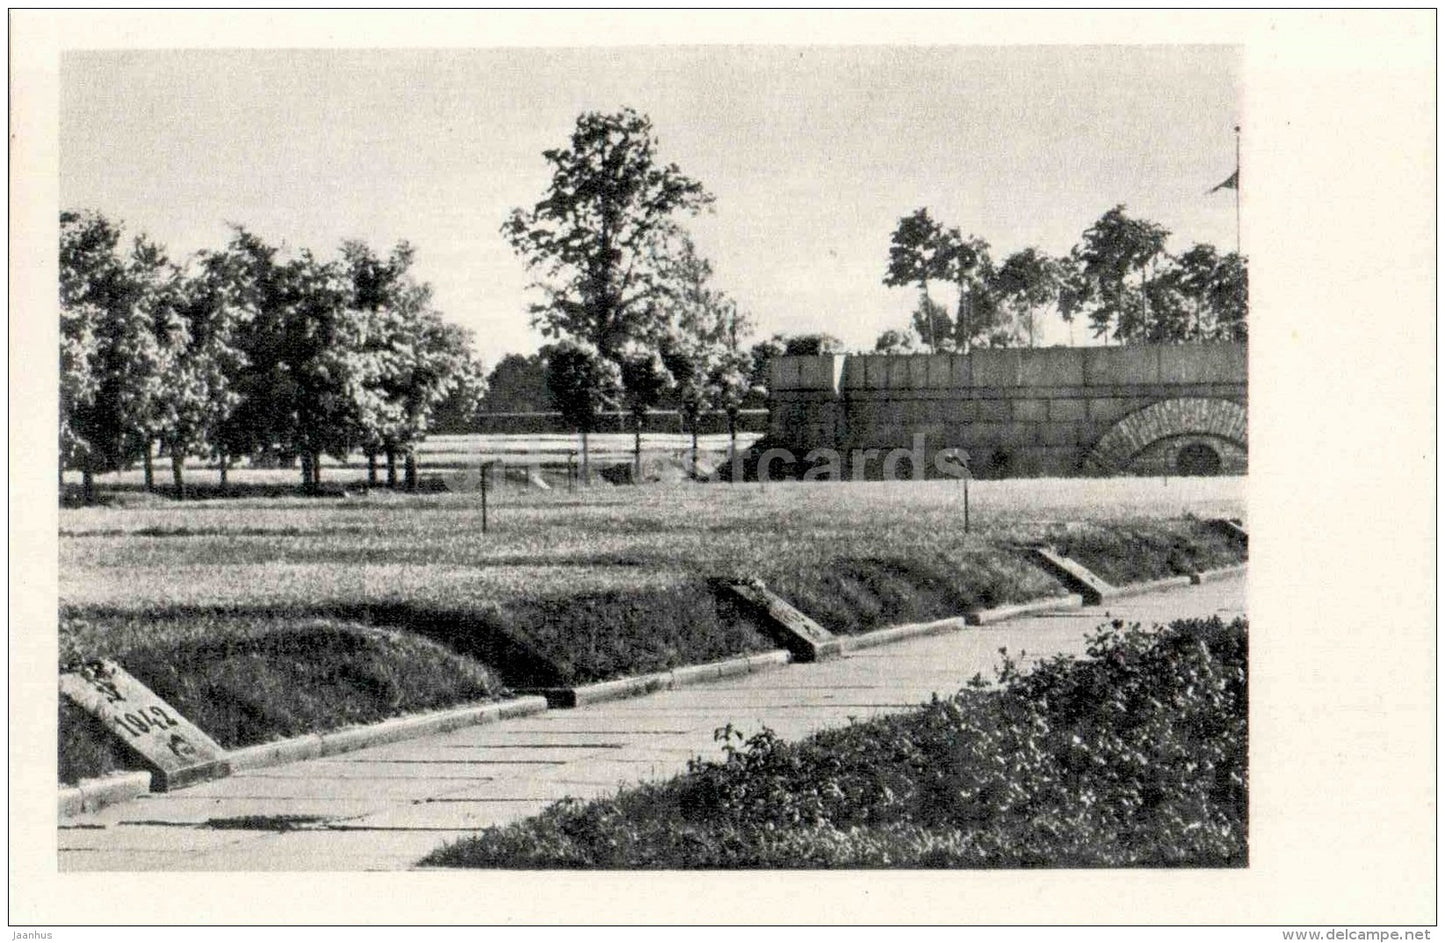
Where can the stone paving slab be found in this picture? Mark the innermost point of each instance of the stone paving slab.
(147, 837)
(387, 806)
(180, 808)
(506, 789)
(287, 784)
(326, 850)
(449, 815)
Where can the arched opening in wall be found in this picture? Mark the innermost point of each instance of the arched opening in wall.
(1196, 458)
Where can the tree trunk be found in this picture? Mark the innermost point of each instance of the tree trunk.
(927, 317)
(225, 467)
(586, 468)
(178, 464)
(371, 467)
(87, 485)
(965, 316)
(733, 445)
(637, 447)
(694, 448)
(150, 471)
(410, 472)
(391, 469)
(306, 472)
(316, 471)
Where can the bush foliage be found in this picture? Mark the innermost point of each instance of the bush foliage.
(1132, 757)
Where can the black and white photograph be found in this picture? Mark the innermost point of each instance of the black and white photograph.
(488, 460)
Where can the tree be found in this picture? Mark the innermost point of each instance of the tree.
(895, 342)
(1167, 318)
(1229, 298)
(1116, 256)
(807, 345)
(968, 264)
(444, 371)
(1028, 281)
(518, 384)
(78, 386)
(702, 347)
(118, 336)
(930, 319)
(597, 236)
(250, 274)
(387, 352)
(305, 352)
(1217, 291)
(409, 363)
(918, 253)
(691, 341)
(1076, 292)
(323, 366)
(583, 384)
(198, 390)
(644, 381)
(762, 355)
(731, 378)
(690, 361)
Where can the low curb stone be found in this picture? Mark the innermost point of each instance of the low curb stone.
(899, 633)
(1149, 586)
(617, 689)
(1002, 613)
(310, 746)
(1222, 572)
(94, 794)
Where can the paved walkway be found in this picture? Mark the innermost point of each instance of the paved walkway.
(385, 807)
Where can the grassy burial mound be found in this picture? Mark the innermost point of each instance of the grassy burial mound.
(564, 588)
(254, 677)
(1134, 757)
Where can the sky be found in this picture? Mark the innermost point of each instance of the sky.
(812, 152)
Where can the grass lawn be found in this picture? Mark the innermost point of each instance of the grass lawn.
(1134, 757)
(572, 587)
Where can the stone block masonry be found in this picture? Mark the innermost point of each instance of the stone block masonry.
(1058, 411)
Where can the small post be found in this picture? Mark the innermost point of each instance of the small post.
(486, 467)
(967, 474)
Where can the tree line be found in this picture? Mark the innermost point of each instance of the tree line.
(1118, 277)
(253, 352)
(248, 351)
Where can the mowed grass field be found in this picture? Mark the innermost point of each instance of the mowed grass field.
(269, 617)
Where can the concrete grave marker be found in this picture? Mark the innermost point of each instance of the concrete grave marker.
(1075, 576)
(178, 752)
(806, 639)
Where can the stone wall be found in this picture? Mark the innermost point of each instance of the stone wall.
(1041, 411)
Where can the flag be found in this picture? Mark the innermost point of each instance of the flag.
(1231, 183)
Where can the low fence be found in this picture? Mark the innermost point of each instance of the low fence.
(659, 421)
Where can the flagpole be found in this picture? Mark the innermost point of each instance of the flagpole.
(1236, 189)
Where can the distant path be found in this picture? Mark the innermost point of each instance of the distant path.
(386, 807)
